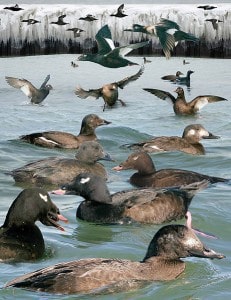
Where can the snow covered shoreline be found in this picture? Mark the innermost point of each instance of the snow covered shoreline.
(18, 38)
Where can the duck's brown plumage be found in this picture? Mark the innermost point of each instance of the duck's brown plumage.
(56, 171)
(172, 77)
(148, 176)
(109, 92)
(161, 262)
(180, 106)
(59, 139)
(188, 143)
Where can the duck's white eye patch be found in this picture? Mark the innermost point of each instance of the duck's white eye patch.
(84, 180)
(192, 132)
(135, 157)
(44, 197)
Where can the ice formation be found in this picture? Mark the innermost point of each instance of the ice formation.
(16, 35)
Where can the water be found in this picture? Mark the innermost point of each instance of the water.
(143, 116)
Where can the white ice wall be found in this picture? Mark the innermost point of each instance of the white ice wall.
(189, 17)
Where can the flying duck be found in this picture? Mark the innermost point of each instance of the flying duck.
(120, 12)
(14, 8)
(31, 21)
(180, 106)
(161, 263)
(188, 143)
(109, 92)
(207, 7)
(167, 31)
(148, 176)
(20, 238)
(144, 205)
(108, 55)
(172, 77)
(60, 21)
(56, 171)
(214, 22)
(35, 95)
(60, 139)
(88, 18)
(76, 31)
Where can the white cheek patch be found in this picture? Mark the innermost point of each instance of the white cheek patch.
(192, 132)
(44, 197)
(84, 180)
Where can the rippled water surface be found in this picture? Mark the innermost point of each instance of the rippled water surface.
(144, 115)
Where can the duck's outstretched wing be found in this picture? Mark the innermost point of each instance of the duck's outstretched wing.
(162, 95)
(45, 82)
(122, 83)
(81, 93)
(200, 101)
(104, 40)
(24, 85)
(124, 50)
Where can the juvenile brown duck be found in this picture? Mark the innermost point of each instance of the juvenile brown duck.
(148, 176)
(20, 238)
(162, 262)
(188, 143)
(57, 171)
(180, 106)
(109, 92)
(35, 95)
(147, 205)
(59, 139)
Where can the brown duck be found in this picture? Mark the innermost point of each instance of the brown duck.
(148, 176)
(109, 92)
(57, 171)
(162, 262)
(180, 106)
(59, 139)
(172, 77)
(188, 143)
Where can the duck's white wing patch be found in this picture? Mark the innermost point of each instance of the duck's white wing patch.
(110, 43)
(47, 140)
(25, 89)
(201, 103)
(44, 197)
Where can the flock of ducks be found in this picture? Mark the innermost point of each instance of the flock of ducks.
(158, 196)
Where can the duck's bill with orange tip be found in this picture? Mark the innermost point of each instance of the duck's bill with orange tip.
(52, 220)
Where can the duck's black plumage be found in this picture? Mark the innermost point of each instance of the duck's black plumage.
(20, 238)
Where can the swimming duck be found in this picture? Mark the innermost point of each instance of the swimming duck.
(35, 95)
(146, 60)
(14, 8)
(120, 12)
(172, 77)
(167, 31)
(88, 18)
(55, 171)
(184, 80)
(108, 55)
(180, 106)
(148, 176)
(31, 21)
(162, 262)
(59, 139)
(76, 31)
(207, 7)
(188, 143)
(147, 205)
(109, 92)
(60, 21)
(20, 238)
(214, 22)
(185, 62)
